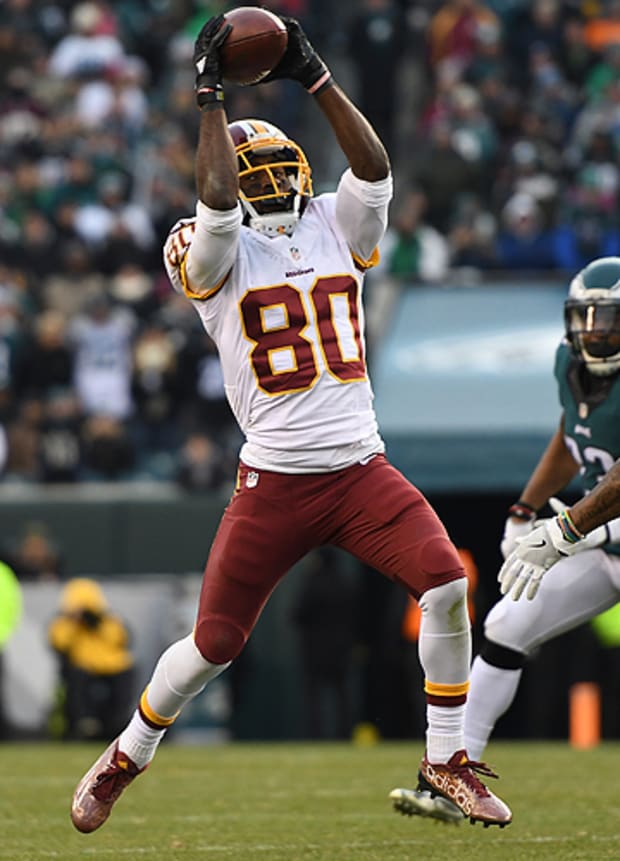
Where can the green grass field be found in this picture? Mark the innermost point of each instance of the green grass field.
(324, 802)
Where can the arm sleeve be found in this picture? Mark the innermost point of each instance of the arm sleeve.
(212, 251)
(362, 213)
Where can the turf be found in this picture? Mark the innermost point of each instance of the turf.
(324, 802)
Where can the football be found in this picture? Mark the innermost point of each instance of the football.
(254, 46)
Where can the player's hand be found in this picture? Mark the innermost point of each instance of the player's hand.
(207, 60)
(300, 61)
(534, 554)
(513, 530)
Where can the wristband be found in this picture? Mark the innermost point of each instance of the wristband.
(323, 83)
(569, 531)
(522, 511)
(210, 97)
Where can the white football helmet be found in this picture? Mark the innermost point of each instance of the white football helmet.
(270, 211)
(592, 315)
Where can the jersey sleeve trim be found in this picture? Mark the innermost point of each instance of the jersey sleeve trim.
(373, 260)
(191, 294)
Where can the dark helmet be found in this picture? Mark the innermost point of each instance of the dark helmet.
(592, 315)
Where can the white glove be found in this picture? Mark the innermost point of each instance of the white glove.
(534, 554)
(597, 537)
(513, 530)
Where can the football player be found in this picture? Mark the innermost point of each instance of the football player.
(580, 547)
(276, 275)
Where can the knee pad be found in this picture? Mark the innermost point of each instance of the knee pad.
(219, 640)
(442, 599)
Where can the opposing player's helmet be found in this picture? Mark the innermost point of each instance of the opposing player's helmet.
(268, 209)
(592, 315)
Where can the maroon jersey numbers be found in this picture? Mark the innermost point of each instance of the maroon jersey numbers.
(286, 335)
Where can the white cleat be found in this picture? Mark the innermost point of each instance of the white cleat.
(420, 802)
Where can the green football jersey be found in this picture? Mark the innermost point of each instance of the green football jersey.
(591, 418)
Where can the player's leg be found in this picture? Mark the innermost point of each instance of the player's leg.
(575, 590)
(390, 526)
(256, 544)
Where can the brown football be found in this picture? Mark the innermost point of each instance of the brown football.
(254, 46)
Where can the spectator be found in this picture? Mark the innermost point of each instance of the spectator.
(35, 556)
(49, 360)
(156, 390)
(377, 39)
(22, 452)
(523, 241)
(113, 212)
(103, 362)
(207, 401)
(454, 32)
(201, 467)
(85, 48)
(96, 664)
(525, 172)
(412, 250)
(117, 97)
(440, 169)
(603, 30)
(473, 134)
(472, 235)
(60, 445)
(77, 282)
(109, 453)
(575, 57)
(532, 27)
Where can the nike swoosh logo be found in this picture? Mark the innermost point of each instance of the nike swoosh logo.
(540, 544)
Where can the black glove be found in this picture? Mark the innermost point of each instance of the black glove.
(207, 61)
(300, 61)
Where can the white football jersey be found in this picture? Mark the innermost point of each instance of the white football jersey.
(288, 323)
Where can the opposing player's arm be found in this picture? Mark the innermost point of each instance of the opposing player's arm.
(590, 523)
(599, 506)
(555, 469)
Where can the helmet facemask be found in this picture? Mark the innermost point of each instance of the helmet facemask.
(274, 177)
(592, 316)
(593, 330)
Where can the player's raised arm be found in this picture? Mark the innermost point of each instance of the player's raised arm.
(358, 140)
(217, 176)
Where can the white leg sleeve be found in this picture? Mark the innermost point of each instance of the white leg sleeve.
(445, 654)
(490, 695)
(444, 644)
(181, 673)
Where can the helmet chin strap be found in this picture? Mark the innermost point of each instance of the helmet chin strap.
(273, 223)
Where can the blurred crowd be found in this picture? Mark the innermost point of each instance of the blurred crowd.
(503, 123)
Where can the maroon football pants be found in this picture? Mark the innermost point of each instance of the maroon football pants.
(274, 519)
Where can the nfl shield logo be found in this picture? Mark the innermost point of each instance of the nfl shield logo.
(252, 479)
